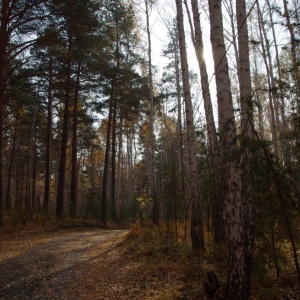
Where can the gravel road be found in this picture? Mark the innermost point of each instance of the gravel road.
(43, 270)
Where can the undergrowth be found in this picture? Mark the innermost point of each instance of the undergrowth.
(170, 258)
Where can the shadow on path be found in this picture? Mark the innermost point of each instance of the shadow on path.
(45, 270)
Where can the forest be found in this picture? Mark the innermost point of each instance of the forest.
(179, 119)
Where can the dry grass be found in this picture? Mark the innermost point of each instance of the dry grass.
(161, 255)
(179, 271)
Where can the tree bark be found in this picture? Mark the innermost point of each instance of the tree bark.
(64, 139)
(3, 62)
(257, 99)
(74, 174)
(31, 161)
(196, 222)
(48, 162)
(247, 234)
(119, 172)
(8, 200)
(152, 171)
(179, 121)
(34, 203)
(217, 199)
(106, 158)
(113, 163)
(234, 210)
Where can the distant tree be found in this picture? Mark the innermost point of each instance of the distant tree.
(294, 44)
(18, 21)
(152, 169)
(79, 19)
(122, 91)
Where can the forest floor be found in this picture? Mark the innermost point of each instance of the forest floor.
(93, 263)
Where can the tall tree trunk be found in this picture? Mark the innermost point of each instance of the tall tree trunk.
(130, 131)
(31, 161)
(74, 174)
(196, 222)
(106, 158)
(119, 171)
(8, 203)
(64, 138)
(179, 120)
(217, 199)
(113, 163)
(258, 102)
(152, 171)
(234, 210)
(246, 214)
(48, 162)
(3, 62)
(34, 203)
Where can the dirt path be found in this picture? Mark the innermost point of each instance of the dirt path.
(53, 266)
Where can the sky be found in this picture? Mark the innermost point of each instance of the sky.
(164, 12)
(161, 16)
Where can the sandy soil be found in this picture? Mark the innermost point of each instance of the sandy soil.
(56, 265)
